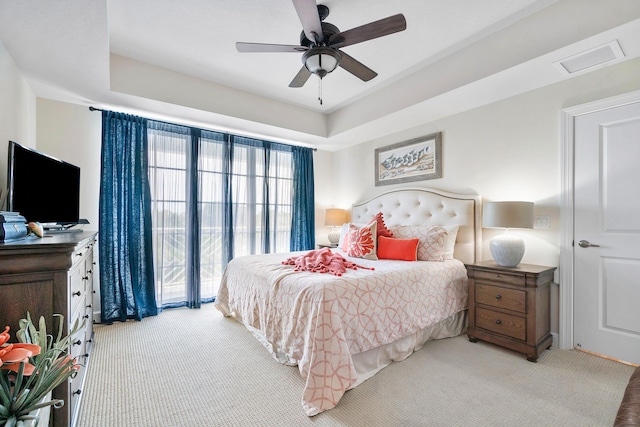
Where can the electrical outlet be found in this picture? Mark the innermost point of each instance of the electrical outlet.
(542, 222)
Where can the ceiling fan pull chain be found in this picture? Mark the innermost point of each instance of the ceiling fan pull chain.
(320, 90)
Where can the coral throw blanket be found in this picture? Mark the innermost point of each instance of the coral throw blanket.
(323, 261)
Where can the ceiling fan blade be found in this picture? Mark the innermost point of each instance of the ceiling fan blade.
(356, 68)
(266, 47)
(372, 30)
(301, 78)
(308, 14)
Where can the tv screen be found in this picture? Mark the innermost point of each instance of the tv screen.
(43, 188)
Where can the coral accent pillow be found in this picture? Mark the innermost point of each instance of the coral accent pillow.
(431, 240)
(362, 242)
(382, 229)
(400, 249)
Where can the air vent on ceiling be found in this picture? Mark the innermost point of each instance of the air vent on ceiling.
(591, 58)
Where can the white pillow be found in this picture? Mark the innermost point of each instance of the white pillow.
(345, 230)
(431, 240)
(449, 240)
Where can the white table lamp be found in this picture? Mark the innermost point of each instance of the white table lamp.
(334, 218)
(507, 250)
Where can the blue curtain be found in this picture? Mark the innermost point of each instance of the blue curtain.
(127, 286)
(194, 292)
(303, 214)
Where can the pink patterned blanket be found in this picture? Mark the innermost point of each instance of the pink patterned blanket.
(323, 261)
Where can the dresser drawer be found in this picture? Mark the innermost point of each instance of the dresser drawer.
(77, 348)
(77, 304)
(501, 323)
(495, 296)
(500, 277)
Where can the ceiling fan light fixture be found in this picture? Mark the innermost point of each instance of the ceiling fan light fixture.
(321, 60)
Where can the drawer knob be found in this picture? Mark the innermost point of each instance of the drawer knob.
(77, 342)
(76, 294)
(498, 322)
(86, 316)
(85, 278)
(79, 254)
(498, 296)
(77, 392)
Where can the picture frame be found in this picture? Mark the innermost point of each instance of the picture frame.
(417, 159)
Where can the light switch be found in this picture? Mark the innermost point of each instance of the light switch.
(542, 222)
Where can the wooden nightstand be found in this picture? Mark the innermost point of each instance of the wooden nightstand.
(510, 306)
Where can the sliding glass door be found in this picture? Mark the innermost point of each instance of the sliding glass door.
(214, 197)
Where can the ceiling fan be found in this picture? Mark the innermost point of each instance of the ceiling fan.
(321, 42)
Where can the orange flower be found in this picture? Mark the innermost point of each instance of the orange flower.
(11, 355)
(65, 359)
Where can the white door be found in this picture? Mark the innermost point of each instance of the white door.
(607, 214)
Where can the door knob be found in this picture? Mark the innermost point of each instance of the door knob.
(586, 244)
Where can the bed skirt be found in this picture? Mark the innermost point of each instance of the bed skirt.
(370, 362)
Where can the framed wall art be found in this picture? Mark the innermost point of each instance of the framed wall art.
(414, 160)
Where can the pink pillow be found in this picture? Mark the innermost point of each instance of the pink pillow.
(382, 229)
(431, 240)
(362, 241)
(400, 249)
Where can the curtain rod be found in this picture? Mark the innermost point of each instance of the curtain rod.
(99, 109)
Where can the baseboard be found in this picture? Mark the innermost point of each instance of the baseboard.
(554, 343)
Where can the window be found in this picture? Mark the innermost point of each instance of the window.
(243, 204)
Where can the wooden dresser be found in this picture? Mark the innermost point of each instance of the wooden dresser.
(52, 275)
(510, 306)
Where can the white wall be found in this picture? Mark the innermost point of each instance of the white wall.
(508, 150)
(17, 112)
(325, 190)
(72, 133)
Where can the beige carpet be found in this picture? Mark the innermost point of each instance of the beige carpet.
(196, 368)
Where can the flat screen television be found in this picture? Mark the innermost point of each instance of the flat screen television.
(43, 188)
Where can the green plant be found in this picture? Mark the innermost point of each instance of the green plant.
(32, 368)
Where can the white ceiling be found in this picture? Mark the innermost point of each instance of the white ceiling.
(176, 60)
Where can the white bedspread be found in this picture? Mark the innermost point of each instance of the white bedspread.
(318, 321)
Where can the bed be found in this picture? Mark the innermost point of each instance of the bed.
(341, 330)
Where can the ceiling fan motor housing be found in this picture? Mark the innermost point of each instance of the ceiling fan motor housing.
(328, 30)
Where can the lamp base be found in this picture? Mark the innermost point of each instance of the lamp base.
(334, 235)
(507, 250)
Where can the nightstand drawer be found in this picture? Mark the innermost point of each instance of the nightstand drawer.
(498, 276)
(501, 323)
(495, 296)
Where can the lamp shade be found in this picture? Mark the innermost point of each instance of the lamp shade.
(335, 217)
(507, 250)
(507, 215)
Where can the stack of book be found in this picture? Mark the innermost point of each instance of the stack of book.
(13, 226)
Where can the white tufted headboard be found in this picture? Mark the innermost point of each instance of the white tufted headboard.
(426, 206)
